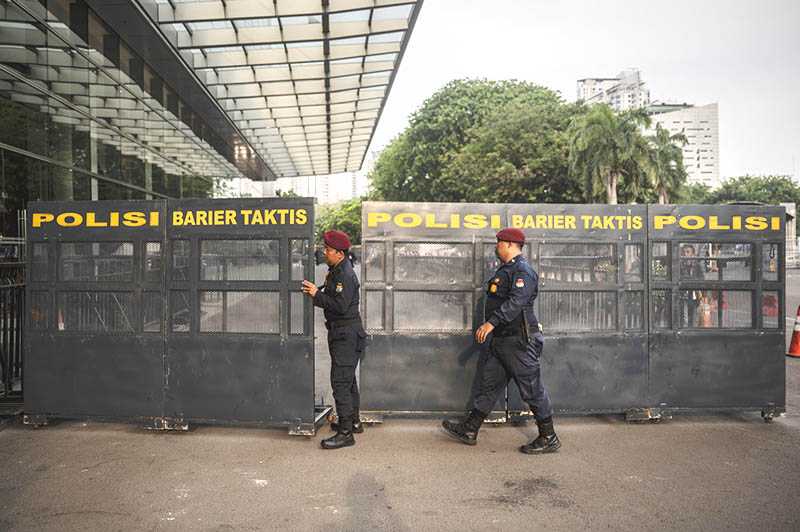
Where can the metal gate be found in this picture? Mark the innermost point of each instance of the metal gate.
(612, 302)
(171, 311)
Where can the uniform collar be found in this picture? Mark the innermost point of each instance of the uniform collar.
(515, 260)
(338, 266)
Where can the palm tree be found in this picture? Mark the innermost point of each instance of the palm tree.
(606, 147)
(665, 166)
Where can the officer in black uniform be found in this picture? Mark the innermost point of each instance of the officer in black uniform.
(338, 297)
(514, 349)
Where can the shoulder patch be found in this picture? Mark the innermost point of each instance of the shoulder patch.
(520, 283)
(339, 287)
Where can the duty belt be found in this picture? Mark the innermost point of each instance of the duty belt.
(513, 331)
(342, 323)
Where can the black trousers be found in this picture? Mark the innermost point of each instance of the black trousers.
(346, 346)
(514, 357)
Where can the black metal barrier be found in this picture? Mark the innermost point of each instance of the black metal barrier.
(171, 312)
(645, 309)
(12, 316)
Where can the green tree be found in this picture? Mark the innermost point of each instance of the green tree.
(607, 147)
(478, 140)
(765, 189)
(697, 193)
(344, 216)
(665, 167)
(519, 154)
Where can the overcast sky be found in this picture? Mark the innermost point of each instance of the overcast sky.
(743, 54)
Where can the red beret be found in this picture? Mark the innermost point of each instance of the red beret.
(511, 234)
(336, 240)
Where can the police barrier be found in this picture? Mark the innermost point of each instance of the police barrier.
(644, 308)
(171, 311)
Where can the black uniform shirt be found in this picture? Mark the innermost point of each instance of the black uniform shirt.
(339, 297)
(510, 293)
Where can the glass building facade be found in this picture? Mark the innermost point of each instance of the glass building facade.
(83, 117)
(137, 99)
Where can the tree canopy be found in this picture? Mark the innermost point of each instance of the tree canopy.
(344, 216)
(765, 189)
(479, 140)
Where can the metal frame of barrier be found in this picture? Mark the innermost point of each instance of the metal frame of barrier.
(619, 338)
(170, 312)
(12, 316)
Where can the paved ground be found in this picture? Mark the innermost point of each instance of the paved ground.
(792, 301)
(726, 472)
(730, 472)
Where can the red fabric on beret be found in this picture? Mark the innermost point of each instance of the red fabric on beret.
(336, 240)
(511, 234)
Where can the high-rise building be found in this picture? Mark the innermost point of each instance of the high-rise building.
(626, 91)
(700, 124)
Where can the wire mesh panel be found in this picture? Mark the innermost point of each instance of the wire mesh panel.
(660, 262)
(38, 271)
(239, 312)
(713, 261)
(180, 311)
(578, 311)
(578, 263)
(297, 307)
(181, 250)
(770, 259)
(152, 311)
(432, 263)
(103, 312)
(737, 308)
(770, 309)
(374, 310)
(633, 263)
(432, 311)
(96, 261)
(699, 308)
(299, 257)
(240, 260)
(634, 315)
(153, 262)
(374, 257)
(661, 301)
(39, 309)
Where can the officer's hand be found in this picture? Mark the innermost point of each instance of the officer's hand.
(483, 331)
(310, 288)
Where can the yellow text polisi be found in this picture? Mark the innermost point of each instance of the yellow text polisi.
(91, 219)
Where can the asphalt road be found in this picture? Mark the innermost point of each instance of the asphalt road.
(730, 472)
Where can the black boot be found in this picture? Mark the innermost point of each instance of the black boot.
(467, 430)
(358, 428)
(547, 442)
(342, 438)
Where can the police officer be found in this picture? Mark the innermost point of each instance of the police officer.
(514, 349)
(338, 297)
